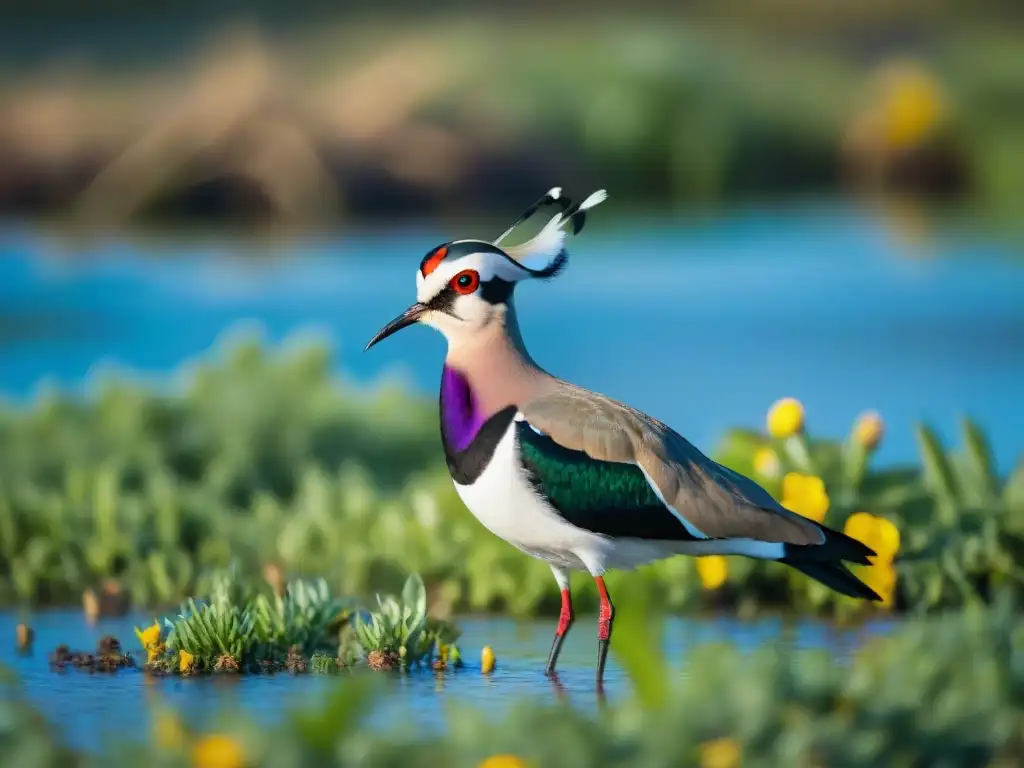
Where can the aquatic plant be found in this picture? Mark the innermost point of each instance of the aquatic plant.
(400, 633)
(208, 631)
(307, 616)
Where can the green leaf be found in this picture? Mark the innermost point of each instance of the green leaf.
(935, 473)
(979, 469)
(1013, 491)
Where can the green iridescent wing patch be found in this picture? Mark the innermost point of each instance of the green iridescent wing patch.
(600, 496)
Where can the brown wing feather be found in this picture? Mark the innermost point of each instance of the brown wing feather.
(718, 502)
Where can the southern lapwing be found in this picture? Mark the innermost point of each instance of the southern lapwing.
(570, 476)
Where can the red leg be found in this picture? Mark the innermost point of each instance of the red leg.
(605, 619)
(565, 619)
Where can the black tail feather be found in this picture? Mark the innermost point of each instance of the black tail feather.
(824, 563)
(837, 546)
(836, 576)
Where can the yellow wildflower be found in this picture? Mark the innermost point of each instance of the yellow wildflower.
(502, 761)
(876, 532)
(766, 462)
(868, 430)
(149, 636)
(912, 104)
(720, 753)
(884, 537)
(487, 660)
(785, 418)
(217, 751)
(168, 732)
(186, 662)
(881, 577)
(805, 495)
(154, 652)
(713, 571)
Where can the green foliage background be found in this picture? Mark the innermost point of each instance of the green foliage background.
(266, 458)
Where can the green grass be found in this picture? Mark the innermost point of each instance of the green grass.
(261, 457)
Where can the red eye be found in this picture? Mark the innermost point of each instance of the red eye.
(466, 282)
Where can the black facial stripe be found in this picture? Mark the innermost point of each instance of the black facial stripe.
(444, 302)
(496, 290)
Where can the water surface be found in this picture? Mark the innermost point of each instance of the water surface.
(89, 709)
(701, 325)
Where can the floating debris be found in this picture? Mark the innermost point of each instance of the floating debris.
(24, 635)
(108, 657)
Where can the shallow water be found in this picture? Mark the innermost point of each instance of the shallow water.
(90, 709)
(701, 325)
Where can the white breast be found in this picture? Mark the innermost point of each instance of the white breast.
(503, 500)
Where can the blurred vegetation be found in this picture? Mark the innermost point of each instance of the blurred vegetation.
(264, 461)
(938, 692)
(301, 117)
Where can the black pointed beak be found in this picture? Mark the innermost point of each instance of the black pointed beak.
(407, 318)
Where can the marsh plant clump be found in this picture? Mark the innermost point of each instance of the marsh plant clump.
(401, 634)
(307, 629)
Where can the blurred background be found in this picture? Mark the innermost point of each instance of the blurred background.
(811, 200)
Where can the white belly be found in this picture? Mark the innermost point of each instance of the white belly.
(505, 503)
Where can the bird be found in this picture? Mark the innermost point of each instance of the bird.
(572, 477)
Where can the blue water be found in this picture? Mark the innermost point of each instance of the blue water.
(92, 709)
(701, 325)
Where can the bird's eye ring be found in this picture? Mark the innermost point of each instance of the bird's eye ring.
(466, 282)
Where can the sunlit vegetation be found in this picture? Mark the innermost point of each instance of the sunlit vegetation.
(265, 463)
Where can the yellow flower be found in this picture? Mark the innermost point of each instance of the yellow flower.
(186, 662)
(785, 418)
(168, 732)
(713, 571)
(805, 495)
(881, 577)
(149, 636)
(217, 751)
(720, 753)
(154, 652)
(912, 104)
(766, 462)
(876, 532)
(487, 660)
(868, 430)
(502, 761)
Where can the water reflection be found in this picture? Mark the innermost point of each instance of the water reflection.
(90, 708)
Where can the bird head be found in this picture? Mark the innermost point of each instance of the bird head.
(463, 285)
